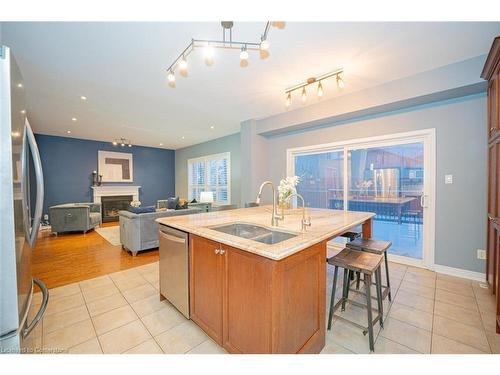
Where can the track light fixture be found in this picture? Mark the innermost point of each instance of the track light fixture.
(209, 46)
(302, 86)
(122, 142)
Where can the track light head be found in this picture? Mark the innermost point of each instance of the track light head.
(244, 53)
(320, 89)
(279, 24)
(171, 79)
(209, 55)
(183, 65)
(244, 57)
(340, 82)
(264, 45)
(288, 100)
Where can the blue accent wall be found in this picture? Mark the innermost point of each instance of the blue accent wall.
(68, 164)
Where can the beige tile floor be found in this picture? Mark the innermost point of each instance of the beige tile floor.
(122, 313)
(429, 313)
(118, 313)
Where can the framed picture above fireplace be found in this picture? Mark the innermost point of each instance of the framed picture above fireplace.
(116, 166)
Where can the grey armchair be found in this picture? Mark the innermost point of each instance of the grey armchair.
(71, 217)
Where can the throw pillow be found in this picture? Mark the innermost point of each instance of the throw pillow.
(141, 210)
(172, 203)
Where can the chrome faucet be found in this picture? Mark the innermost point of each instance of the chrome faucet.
(275, 217)
(304, 222)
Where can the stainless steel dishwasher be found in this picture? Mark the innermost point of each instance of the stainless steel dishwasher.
(174, 267)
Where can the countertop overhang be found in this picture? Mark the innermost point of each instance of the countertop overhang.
(325, 225)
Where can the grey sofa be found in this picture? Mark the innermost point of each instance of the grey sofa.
(71, 217)
(140, 231)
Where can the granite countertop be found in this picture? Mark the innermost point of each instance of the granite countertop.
(325, 224)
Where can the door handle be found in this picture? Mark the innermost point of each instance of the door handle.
(172, 238)
(422, 200)
(41, 311)
(32, 147)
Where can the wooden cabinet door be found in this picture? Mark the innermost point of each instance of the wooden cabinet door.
(206, 286)
(247, 302)
(491, 237)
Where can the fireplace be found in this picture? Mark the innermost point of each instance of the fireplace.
(112, 204)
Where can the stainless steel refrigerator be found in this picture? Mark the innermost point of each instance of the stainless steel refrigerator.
(21, 199)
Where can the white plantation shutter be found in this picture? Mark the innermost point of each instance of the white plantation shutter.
(210, 173)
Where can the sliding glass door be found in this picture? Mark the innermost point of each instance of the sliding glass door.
(322, 178)
(389, 181)
(391, 176)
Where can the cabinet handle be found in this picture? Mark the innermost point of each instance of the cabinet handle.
(217, 251)
(222, 251)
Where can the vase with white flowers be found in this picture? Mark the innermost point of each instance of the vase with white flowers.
(287, 187)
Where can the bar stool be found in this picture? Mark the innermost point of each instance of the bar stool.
(374, 247)
(369, 265)
(351, 235)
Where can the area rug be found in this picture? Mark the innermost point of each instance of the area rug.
(110, 234)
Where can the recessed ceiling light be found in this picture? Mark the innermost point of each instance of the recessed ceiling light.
(73, 119)
(20, 85)
(15, 134)
(212, 127)
(23, 111)
(69, 132)
(83, 97)
(161, 144)
(183, 137)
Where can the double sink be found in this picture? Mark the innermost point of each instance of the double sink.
(254, 233)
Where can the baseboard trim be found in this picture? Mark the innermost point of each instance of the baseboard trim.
(458, 272)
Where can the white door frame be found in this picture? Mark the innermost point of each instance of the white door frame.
(428, 138)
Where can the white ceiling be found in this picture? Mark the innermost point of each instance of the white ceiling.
(120, 67)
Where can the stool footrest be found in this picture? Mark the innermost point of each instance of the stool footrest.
(363, 328)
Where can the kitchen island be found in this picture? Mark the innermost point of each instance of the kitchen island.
(251, 296)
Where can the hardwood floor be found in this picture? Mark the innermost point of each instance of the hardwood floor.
(72, 257)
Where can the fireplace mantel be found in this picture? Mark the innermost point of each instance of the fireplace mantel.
(113, 190)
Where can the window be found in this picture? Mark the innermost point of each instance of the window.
(210, 173)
